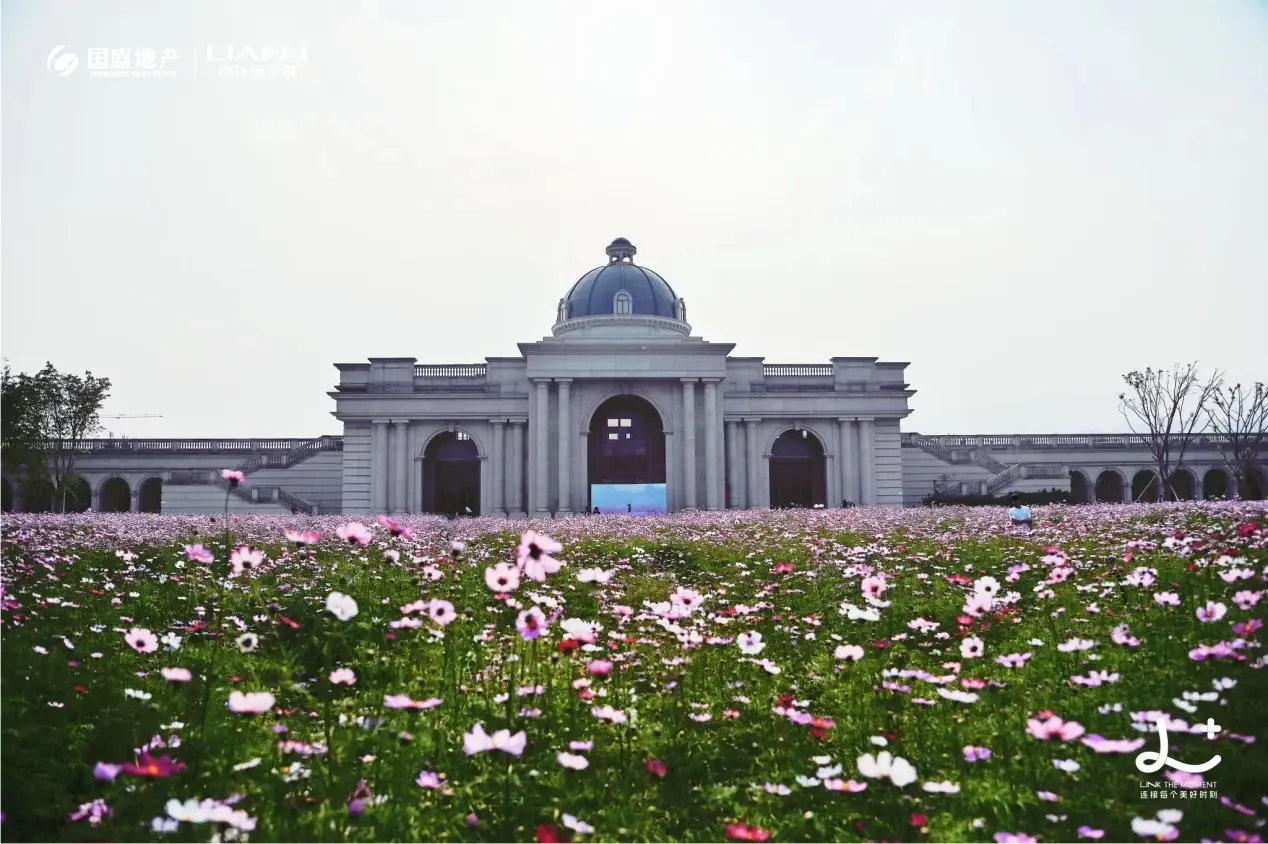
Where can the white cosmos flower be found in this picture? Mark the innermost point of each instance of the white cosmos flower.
(886, 765)
(341, 606)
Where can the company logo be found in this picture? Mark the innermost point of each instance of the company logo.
(255, 62)
(1150, 761)
(62, 64)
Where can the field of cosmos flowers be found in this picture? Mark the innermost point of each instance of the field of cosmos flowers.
(863, 674)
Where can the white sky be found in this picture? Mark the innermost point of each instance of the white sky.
(1022, 199)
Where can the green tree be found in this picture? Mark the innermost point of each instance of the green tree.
(47, 416)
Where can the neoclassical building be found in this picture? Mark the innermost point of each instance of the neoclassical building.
(621, 393)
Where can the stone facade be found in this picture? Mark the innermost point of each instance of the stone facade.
(528, 428)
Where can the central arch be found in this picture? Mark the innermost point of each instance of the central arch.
(1110, 487)
(116, 496)
(451, 475)
(798, 470)
(625, 445)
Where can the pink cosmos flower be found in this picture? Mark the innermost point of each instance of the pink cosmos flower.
(233, 476)
(406, 702)
(1054, 727)
(688, 599)
(428, 779)
(1091, 832)
(97, 812)
(1014, 660)
(978, 604)
(1213, 611)
(354, 533)
(972, 647)
(874, 586)
(303, 537)
(751, 643)
(502, 578)
(850, 652)
(573, 761)
(176, 675)
(607, 713)
(251, 703)
(1167, 599)
(441, 612)
(244, 557)
(199, 554)
(1100, 744)
(1014, 838)
(581, 746)
(580, 630)
(343, 676)
(1247, 599)
(106, 771)
(600, 667)
(534, 555)
(976, 754)
(531, 623)
(141, 640)
(849, 786)
(395, 528)
(478, 741)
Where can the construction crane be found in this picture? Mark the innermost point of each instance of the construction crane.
(135, 416)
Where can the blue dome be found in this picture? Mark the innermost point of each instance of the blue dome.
(595, 293)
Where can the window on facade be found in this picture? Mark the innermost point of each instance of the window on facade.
(622, 304)
(463, 435)
(613, 436)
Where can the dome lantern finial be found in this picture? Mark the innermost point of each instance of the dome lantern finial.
(621, 250)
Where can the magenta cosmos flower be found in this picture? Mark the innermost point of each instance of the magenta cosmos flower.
(233, 476)
(396, 528)
(533, 555)
(199, 554)
(531, 623)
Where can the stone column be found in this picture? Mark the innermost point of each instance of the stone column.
(498, 468)
(400, 495)
(1197, 488)
(135, 505)
(565, 443)
(753, 497)
(712, 451)
(849, 461)
(96, 499)
(867, 461)
(689, 443)
(541, 461)
(733, 465)
(378, 468)
(516, 470)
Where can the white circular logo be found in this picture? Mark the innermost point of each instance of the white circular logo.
(62, 64)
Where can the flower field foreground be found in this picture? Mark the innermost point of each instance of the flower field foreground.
(918, 675)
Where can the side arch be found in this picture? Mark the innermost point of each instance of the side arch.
(1081, 487)
(114, 495)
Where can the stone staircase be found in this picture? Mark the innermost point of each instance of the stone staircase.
(1002, 474)
(265, 494)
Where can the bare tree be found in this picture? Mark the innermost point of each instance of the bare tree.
(1167, 410)
(1240, 417)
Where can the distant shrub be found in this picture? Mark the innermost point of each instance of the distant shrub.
(1043, 496)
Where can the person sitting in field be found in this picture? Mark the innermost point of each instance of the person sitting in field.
(1020, 514)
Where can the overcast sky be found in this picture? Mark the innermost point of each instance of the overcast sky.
(1023, 199)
